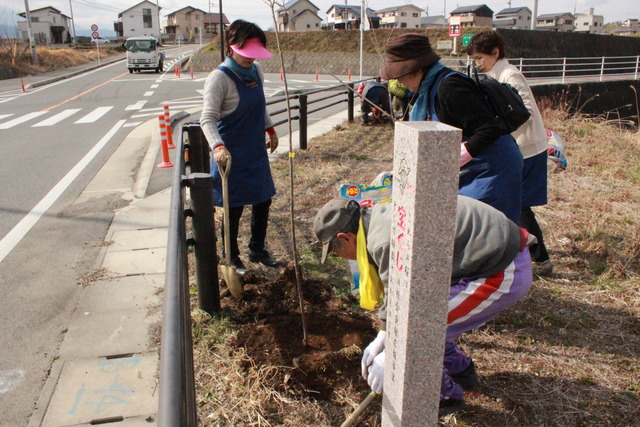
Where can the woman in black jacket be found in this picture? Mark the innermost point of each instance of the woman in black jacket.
(490, 160)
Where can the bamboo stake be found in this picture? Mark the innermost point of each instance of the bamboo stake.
(296, 260)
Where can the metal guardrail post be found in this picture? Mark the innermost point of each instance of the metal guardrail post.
(198, 148)
(635, 74)
(303, 121)
(204, 237)
(602, 68)
(564, 68)
(350, 103)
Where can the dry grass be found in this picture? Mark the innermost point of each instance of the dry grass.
(18, 58)
(568, 354)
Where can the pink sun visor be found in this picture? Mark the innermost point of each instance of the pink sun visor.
(252, 48)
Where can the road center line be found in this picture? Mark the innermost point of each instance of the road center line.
(18, 232)
(85, 92)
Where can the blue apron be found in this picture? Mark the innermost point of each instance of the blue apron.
(493, 176)
(243, 133)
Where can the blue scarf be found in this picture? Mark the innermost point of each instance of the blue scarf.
(419, 112)
(247, 74)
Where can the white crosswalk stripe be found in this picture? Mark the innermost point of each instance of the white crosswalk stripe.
(21, 119)
(94, 115)
(4, 116)
(57, 118)
(137, 106)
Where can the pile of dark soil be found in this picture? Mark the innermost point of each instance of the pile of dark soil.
(270, 329)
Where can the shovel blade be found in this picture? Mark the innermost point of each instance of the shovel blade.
(233, 281)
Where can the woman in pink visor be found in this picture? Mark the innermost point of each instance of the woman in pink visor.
(234, 120)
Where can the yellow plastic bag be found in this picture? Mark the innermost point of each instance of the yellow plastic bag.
(371, 287)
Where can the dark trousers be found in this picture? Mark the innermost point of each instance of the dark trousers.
(259, 220)
(380, 97)
(528, 221)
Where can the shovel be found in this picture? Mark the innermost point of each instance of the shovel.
(229, 274)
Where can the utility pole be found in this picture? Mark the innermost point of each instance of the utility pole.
(73, 22)
(221, 32)
(534, 19)
(363, 19)
(346, 15)
(159, 25)
(32, 42)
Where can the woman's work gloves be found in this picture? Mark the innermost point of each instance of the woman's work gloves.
(220, 155)
(272, 143)
(373, 363)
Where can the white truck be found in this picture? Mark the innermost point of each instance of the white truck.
(143, 53)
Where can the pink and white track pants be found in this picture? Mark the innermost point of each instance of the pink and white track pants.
(472, 303)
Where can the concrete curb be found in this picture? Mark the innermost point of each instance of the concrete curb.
(71, 74)
(107, 365)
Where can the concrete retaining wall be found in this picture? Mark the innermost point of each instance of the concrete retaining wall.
(303, 63)
(613, 100)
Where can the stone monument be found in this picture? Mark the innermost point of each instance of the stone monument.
(425, 186)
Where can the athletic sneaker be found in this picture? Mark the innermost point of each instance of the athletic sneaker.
(239, 266)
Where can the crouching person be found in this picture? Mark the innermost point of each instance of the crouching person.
(378, 95)
(491, 271)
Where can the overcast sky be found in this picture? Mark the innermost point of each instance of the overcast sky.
(104, 13)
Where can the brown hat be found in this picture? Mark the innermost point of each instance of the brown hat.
(408, 53)
(332, 219)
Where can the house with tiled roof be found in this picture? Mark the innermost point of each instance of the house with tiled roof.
(299, 15)
(514, 18)
(188, 22)
(560, 22)
(479, 15)
(140, 20)
(340, 17)
(404, 16)
(48, 25)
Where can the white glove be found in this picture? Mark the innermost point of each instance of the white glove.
(370, 353)
(376, 374)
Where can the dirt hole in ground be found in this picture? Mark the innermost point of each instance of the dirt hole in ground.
(270, 329)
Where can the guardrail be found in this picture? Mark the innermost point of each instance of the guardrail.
(310, 98)
(177, 402)
(177, 396)
(542, 70)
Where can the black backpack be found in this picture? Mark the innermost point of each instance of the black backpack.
(504, 99)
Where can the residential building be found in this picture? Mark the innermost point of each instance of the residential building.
(405, 16)
(474, 16)
(340, 17)
(138, 21)
(48, 25)
(299, 15)
(632, 23)
(437, 21)
(515, 18)
(587, 22)
(560, 22)
(189, 22)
